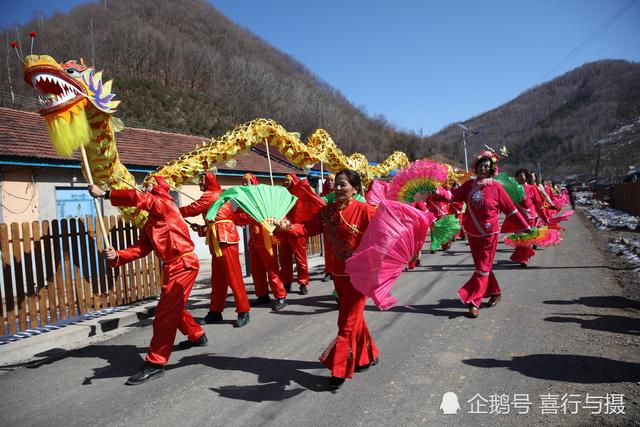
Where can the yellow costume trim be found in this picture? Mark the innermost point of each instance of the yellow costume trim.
(213, 232)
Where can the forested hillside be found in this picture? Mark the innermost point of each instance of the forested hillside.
(561, 124)
(182, 66)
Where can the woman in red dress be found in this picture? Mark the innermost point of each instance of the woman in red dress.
(485, 198)
(344, 222)
(532, 210)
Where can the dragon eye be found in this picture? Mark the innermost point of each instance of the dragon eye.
(72, 71)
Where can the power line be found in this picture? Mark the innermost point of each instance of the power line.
(589, 40)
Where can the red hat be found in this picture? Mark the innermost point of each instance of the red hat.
(210, 182)
(251, 177)
(161, 188)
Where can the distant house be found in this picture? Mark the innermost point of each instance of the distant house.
(36, 184)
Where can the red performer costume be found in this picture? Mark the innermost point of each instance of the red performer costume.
(263, 262)
(167, 235)
(327, 188)
(420, 205)
(222, 238)
(457, 208)
(530, 207)
(344, 223)
(293, 247)
(485, 198)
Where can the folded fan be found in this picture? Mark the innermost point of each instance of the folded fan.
(378, 192)
(331, 197)
(394, 236)
(421, 176)
(261, 202)
(443, 231)
(539, 236)
(515, 190)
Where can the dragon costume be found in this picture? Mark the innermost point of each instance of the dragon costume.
(78, 108)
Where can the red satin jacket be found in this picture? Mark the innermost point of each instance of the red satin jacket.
(531, 205)
(165, 232)
(485, 199)
(225, 227)
(343, 224)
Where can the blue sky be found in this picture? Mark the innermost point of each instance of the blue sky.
(425, 64)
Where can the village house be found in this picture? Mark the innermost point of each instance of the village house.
(36, 184)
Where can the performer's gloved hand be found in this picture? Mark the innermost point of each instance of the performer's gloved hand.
(95, 191)
(110, 254)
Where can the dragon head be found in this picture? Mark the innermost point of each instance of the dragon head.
(65, 92)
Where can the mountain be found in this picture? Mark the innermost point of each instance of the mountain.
(561, 124)
(180, 65)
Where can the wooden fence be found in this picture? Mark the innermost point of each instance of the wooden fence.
(624, 196)
(53, 270)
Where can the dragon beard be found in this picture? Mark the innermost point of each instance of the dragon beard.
(69, 130)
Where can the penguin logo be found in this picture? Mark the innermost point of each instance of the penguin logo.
(449, 403)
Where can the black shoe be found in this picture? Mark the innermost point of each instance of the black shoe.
(418, 262)
(326, 277)
(279, 304)
(211, 317)
(433, 252)
(243, 319)
(148, 372)
(523, 264)
(261, 300)
(303, 290)
(203, 341)
(366, 367)
(287, 287)
(335, 382)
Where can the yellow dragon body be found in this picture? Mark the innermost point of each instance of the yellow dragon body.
(78, 108)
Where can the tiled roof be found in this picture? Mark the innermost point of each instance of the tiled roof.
(24, 134)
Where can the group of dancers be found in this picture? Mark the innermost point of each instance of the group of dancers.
(342, 220)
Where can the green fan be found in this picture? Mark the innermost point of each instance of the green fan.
(331, 197)
(515, 190)
(261, 202)
(443, 230)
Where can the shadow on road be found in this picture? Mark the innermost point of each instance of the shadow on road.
(607, 301)
(274, 376)
(122, 360)
(607, 323)
(570, 368)
(325, 304)
(432, 309)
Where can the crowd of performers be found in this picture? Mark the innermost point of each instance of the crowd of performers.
(342, 220)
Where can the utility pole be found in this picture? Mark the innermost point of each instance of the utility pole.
(539, 173)
(464, 144)
(597, 166)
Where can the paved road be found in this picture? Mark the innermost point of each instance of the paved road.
(562, 328)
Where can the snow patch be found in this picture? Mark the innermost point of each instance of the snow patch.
(612, 219)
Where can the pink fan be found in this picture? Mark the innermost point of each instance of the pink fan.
(394, 237)
(559, 218)
(420, 176)
(377, 193)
